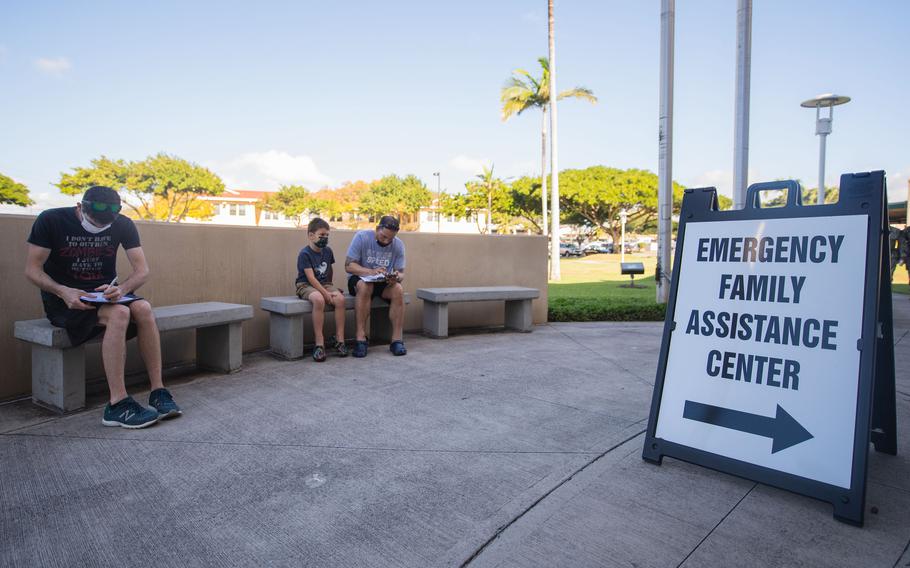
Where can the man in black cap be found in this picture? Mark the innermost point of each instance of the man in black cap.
(72, 253)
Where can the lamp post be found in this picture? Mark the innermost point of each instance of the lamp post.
(622, 243)
(438, 198)
(823, 129)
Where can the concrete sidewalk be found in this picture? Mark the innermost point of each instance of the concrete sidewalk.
(483, 450)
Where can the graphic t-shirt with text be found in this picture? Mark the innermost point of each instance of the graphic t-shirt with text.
(80, 259)
(366, 252)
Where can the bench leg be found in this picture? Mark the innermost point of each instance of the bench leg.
(58, 378)
(286, 335)
(518, 315)
(380, 326)
(435, 319)
(220, 347)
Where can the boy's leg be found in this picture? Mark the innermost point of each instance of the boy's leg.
(149, 340)
(115, 319)
(362, 308)
(394, 293)
(318, 316)
(338, 301)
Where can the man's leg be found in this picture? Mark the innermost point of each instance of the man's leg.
(362, 308)
(149, 340)
(115, 319)
(394, 293)
(318, 302)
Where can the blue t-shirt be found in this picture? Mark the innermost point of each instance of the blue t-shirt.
(366, 252)
(321, 262)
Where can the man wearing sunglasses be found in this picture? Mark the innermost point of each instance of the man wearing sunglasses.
(375, 264)
(72, 251)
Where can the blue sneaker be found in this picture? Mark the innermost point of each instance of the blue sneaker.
(162, 401)
(397, 348)
(360, 348)
(129, 414)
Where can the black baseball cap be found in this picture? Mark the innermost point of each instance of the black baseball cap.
(101, 194)
(389, 222)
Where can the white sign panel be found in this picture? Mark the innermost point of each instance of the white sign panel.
(763, 365)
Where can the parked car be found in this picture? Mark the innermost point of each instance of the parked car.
(599, 248)
(569, 250)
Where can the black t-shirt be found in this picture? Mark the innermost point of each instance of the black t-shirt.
(80, 259)
(321, 262)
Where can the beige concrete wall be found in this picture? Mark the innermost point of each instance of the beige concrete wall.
(196, 263)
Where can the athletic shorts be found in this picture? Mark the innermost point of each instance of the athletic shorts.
(378, 287)
(80, 325)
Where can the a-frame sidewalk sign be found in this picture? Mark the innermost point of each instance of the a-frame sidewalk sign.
(777, 362)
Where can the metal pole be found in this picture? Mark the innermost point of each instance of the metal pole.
(438, 200)
(665, 151)
(821, 168)
(743, 78)
(554, 164)
(622, 239)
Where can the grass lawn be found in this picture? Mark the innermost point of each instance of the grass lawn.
(590, 290)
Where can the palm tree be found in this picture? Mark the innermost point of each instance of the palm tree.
(522, 92)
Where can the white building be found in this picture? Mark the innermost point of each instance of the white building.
(429, 220)
(243, 207)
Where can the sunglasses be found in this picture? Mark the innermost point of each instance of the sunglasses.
(100, 206)
(388, 226)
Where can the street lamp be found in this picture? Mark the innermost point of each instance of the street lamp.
(623, 216)
(438, 198)
(823, 129)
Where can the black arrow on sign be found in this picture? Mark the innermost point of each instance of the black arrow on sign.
(783, 429)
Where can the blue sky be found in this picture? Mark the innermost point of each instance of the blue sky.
(317, 93)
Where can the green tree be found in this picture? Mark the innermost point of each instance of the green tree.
(13, 192)
(597, 195)
(489, 194)
(525, 201)
(523, 91)
(292, 201)
(810, 197)
(159, 188)
(394, 195)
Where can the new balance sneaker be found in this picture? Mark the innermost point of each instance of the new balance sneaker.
(360, 348)
(319, 353)
(129, 414)
(397, 348)
(162, 401)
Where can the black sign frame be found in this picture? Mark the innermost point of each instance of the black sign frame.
(860, 194)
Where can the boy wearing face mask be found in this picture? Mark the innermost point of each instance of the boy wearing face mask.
(375, 263)
(73, 251)
(314, 283)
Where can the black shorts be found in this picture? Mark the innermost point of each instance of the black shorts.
(80, 325)
(378, 287)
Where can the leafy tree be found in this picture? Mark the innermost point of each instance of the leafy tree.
(394, 195)
(523, 91)
(292, 201)
(13, 192)
(810, 197)
(525, 201)
(159, 188)
(595, 196)
(489, 194)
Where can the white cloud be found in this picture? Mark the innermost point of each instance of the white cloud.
(267, 171)
(721, 179)
(470, 165)
(53, 65)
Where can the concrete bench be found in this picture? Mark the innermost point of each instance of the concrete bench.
(436, 305)
(58, 368)
(286, 320)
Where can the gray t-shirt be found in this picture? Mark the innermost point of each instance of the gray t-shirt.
(366, 252)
